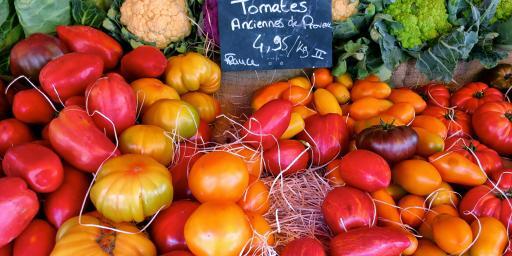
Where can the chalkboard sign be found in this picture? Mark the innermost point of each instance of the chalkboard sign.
(275, 34)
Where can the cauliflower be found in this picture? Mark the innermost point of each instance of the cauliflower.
(343, 9)
(421, 20)
(157, 21)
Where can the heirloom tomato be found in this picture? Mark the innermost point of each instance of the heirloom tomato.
(452, 234)
(322, 77)
(360, 125)
(262, 232)
(144, 61)
(286, 157)
(427, 248)
(12, 133)
(493, 126)
(502, 179)
(346, 80)
(256, 198)
(30, 106)
(365, 88)
(304, 111)
(300, 81)
(326, 103)
(207, 106)
(368, 107)
(436, 95)
(333, 175)
(386, 208)
(365, 170)
(174, 116)
(150, 90)
(491, 237)
(251, 157)
(38, 239)
(298, 96)
(340, 92)
(296, 126)
(402, 111)
(444, 194)
(191, 72)
(304, 247)
(472, 95)
(431, 124)
(455, 168)
(370, 241)
(147, 140)
(429, 143)
(407, 95)
(476, 152)
(457, 122)
(185, 157)
(412, 210)
(268, 93)
(417, 176)
(483, 201)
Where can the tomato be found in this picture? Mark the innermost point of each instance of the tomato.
(296, 126)
(19, 206)
(444, 194)
(430, 124)
(412, 210)
(396, 191)
(147, 140)
(267, 125)
(333, 175)
(304, 247)
(417, 177)
(346, 80)
(30, 106)
(203, 135)
(167, 230)
(150, 90)
(286, 157)
(322, 77)
(455, 168)
(218, 176)
(300, 81)
(185, 157)
(360, 125)
(262, 232)
(493, 125)
(178, 253)
(452, 234)
(429, 143)
(346, 208)
(393, 143)
(472, 95)
(491, 237)
(326, 102)
(268, 93)
(427, 248)
(75, 137)
(217, 228)
(370, 241)
(297, 95)
(251, 157)
(340, 92)
(368, 107)
(385, 205)
(39, 166)
(476, 152)
(66, 202)
(75, 100)
(191, 72)
(327, 136)
(502, 179)
(413, 241)
(426, 227)
(365, 88)
(207, 106)
(436, 95)
(38, 239)
(256, 198)
(69, 75)
(365, 170)
(143, 61)
(483, 201)
(6, 250)
(402, 111)
(174, 116)
(304, 111)
(114, 98)
(131, 188)
(457, 122)
(5, 106)
(409, 96)
(12, 133)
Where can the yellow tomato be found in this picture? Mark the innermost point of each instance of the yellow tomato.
(150, 90)
(340, 92)
(326, 103)
(402, 111)
(191, 72)
(296, 126)
(174, 116)
(444, 194)
(303, 111)
(300, 81)
(429, 143)
(417, 177)
(147, 140)
(207, 106)
(345, 80)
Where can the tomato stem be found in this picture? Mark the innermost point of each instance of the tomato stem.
(479, 94)
(509, 116)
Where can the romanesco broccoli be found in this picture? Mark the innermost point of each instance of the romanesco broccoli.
(503, 10)
(421, 20)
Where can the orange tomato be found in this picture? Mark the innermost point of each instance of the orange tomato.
(326, 103)
(322, 77)
(452, 234)
(455, 168)
(426, 227)
(402, 111)
(300, 81)
(369, 107)
(340, 92)
(417, 177)
(396, 191)
(297, 96)
(492, 237)
(296, 126)
(217, 228)
(431, 124)
(427, 248)
(150, 90)
(350, 123)
(256, 198)
(262, 232)
(174, 116)
(444, 194)
(251, 157)
(359, 126)
(352, 146)
(333, 175)
(147, 140)
(207, 106)
(413, 243)
(303, 111)
(218, 176)
(387, 212)
(429, 143)
(267, 94)
(409, 96)
(412, 210)
(372, 78)
(364, 88)
(345, 80)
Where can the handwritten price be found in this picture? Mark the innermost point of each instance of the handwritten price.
(288, 45)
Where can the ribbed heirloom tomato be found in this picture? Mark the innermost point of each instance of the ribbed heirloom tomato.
(472, 95)
(493, 125)
(174, 116)
(150, 90)
(148, 140)
(207, 106)
(436, 95)
(457, 122)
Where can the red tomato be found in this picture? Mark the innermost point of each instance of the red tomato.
(167, 229)
(436, 95)
(65, 202)
(115, 99)
(19, 206)
(266, 125)
(39, 166)
(6, 250)
(370, 241)
(483, 201)
(488, 158)
(502, 179)
(493, 125)
(365, 170)
(346, 208)
(304, 247)
(75, 100)
(77, 139)
(287, 156)
(69, 75)
(38, 239)
(204, 133)
(30, 106)
(327, 135)
(473, 95)
(178, 253)
(143, 62)
(5, 107)
(457, 122)
(185, 157)
(89, 40)
(12, 133)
